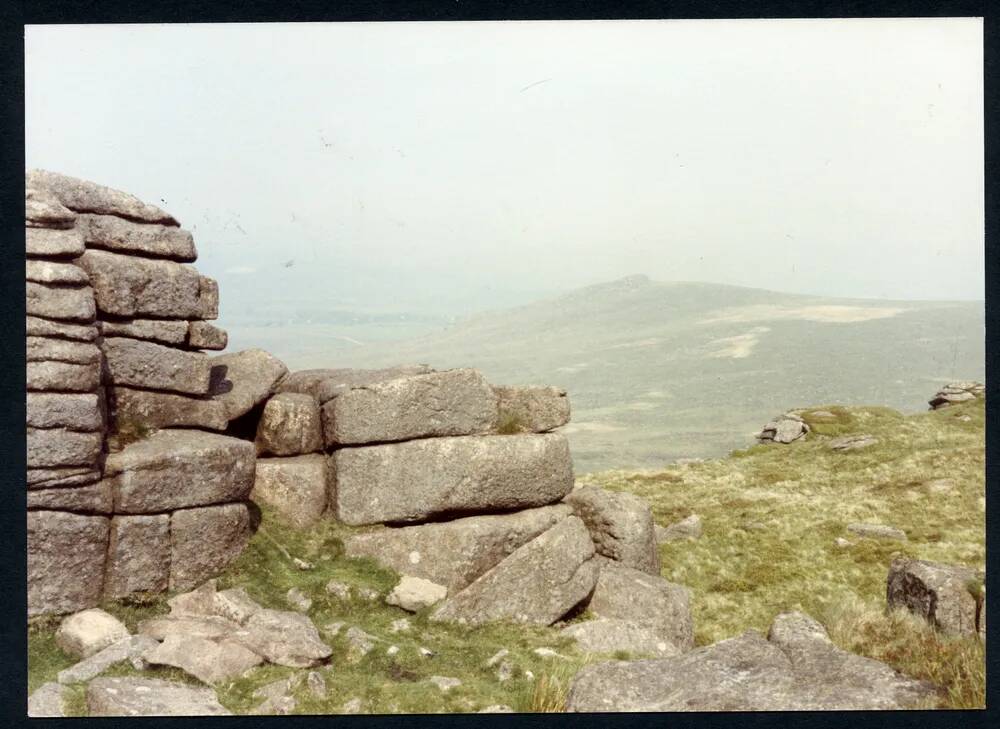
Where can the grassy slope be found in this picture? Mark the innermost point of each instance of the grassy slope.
(771, 514)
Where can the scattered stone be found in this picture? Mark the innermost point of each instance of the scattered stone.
(843, 543)
(136, 363)
(505, 671)
(54, 272)
(334, 628)
(285, 638)
(416, 479)
(302, 564)
(48, 447)
(66, 554)
(957, 392)
(940, 485)
(445, 683)
(453, 402)
(316, 684)
(138, 555)
(798, 669)
(326, 384)
(877, 531)
(290, 425)
(425, 652)
(129, 286)
(278, 700)
(36, 326)
(607, 635)
(531, 409)
(166, 409)
(76, 411)
(340, 590)
(939, 593)
(621, 525)
(83, 196)
(547, 653)
(131, 696)
(687, 528)
(202, 335)
(73, 303)
(400, 626)
(392, 650)
(89, 498)
(295, 487)
(538, 583)
(497, 657)
(784, 429)
(50, 242)
(965, 417)
(496, 709)
(351, 707)
(245, 379)
(368, 594)
(456, 552)
(415, 593)
(62, 376)
(359, 642)
(298, 600)
(204, 540)
(648, 601)
(852, 442)
(207, 660)
(173, 469)
(150, 239)
(42, 209)
(164, 331)
(48, 700)
(87, 632)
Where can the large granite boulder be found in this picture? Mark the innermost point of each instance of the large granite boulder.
(136, 363)
(173, 469)
(538, 583)
(621, 525)
(453, 402)
(129, 286)
(145, 239)
(285, 638)
(295, 487)
(454, 553)
(532, 409)
(204, 540)
(326, 384)
(624, 593)
(414, 480)
(36, 326)
(85, 497)
(797, 670)
(138, 555)
(55, 243)
(82, 196)
(53, 349)
(243, 380)
(610, 635)
(66, 554)
(210, 661)
(85, 633)
(290, 425)
(54, 272)
(71, 303)
(157, 409)
(62, 376)
(942, 594)
(75, 411)
(49, 447)
(133, 696)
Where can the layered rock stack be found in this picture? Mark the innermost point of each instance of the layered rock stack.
(783, 429)
(956, 392)
(116, 323)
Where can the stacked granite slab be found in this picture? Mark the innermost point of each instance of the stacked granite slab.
(117, 319)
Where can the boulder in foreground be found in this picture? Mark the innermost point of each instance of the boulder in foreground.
(131, 696)
(942, 594)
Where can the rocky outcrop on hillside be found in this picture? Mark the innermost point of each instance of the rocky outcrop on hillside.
(783, 429)
(957, 392)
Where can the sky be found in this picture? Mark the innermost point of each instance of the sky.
(445, 167)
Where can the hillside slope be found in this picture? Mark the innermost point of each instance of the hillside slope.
(658, 371)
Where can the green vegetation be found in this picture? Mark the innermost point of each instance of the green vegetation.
(772, 513)
(510, 424)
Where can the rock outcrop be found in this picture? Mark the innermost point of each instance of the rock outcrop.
(786, 428)
(957, 392)
(944, 595)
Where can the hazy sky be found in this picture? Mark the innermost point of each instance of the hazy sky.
(830, 157)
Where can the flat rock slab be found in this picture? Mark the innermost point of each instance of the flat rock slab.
(90, 496)
(538, 583)
(454, 553)
(326, 384)
(242, 380)
(283, 637)
(150, 697)
(48, 478)
(166, 409)
(295, 487)
(57, 301)
(54, 272)
(42, 209)
(453, 402)
(62, 376)
(608, 635)
(173, 469)
(534, 409)
(877, 531)
(621, 525)
(54, 349)
(852, 442)
(209, 627)
(138, 555)
(130, 286)
(63, 410)
(66, 554)
(147, 239)
(204, 540)
(125, 649)
(414, 480)
(48, 447)
(202, 335)
(136, 363)
(939, 593)
(747, 673)
(623, 593)
(48, 700)
(164, 331)
(83, 196)
(290, 425)
(56, 243)
(36, 326)
(209, 661)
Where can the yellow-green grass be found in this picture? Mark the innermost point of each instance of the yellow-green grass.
(771, 515)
